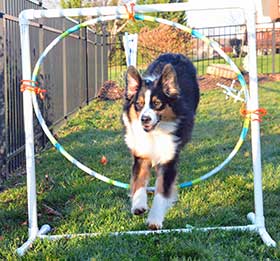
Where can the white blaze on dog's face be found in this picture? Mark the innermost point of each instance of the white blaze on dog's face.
(152, 96)
(148, 117)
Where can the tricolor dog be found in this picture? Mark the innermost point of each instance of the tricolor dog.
(158, 116)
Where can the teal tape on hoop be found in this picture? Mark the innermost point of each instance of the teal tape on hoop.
(140, 17)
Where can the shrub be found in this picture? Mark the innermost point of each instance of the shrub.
(164, 39)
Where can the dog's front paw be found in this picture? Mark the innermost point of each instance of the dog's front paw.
(154, 223)
(139, 202)
(158, 211)
(139, 210)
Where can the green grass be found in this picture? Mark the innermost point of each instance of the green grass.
(88, 205)
(265, 63)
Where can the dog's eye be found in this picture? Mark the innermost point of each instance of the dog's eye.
(157, 104)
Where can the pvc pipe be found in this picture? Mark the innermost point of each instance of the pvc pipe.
(253, 104)
(31, 14)
(258, 217)
(29, 135)
(266, 238)
(44, 230)
(130, 42)
(147, 232)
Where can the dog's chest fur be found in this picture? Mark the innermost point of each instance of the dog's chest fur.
(159, 145)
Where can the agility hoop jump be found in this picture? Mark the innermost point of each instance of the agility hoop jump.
(137, 17)
(113, 13)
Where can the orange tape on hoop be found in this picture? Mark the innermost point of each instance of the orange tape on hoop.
(261, 112)
(29, 85)
(130, 14)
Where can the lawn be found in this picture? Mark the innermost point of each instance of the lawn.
(84, 204)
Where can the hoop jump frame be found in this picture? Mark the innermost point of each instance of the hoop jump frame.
(257, 218)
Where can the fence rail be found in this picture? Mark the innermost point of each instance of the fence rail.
(71, 78)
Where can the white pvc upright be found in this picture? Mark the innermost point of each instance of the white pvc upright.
(29, 135)
(33, 230)
(257, 218)
(130, 42)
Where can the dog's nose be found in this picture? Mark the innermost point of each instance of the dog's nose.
(145, 119)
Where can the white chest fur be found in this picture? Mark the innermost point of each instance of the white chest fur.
(159, 144)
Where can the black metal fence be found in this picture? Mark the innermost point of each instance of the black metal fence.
(232, 39)
(268, 47)
(72, 74)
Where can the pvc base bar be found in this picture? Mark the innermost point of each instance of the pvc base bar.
(249, 228)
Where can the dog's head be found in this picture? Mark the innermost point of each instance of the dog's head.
(151, 98)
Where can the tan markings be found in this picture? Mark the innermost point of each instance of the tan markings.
(141, 101)
(133, 114)
(142, 178)
(159, 184)
(167, 114)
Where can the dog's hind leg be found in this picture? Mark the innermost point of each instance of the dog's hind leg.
(165, 195)
(139, 182)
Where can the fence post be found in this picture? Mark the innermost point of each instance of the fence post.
(42, 80)
(99, 64)
(3, 133)
(105, 56)
(86, 65)
(95, 65)
(64, 69)
(273, 47)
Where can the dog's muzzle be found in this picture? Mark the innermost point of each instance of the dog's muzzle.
(149, 120)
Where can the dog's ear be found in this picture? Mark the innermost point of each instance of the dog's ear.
(169, 82)
(133, 82)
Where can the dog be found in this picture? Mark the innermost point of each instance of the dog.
(158, 117)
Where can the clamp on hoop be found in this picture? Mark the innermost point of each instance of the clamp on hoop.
(32, 86)
(261, 112)
(130, 13)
